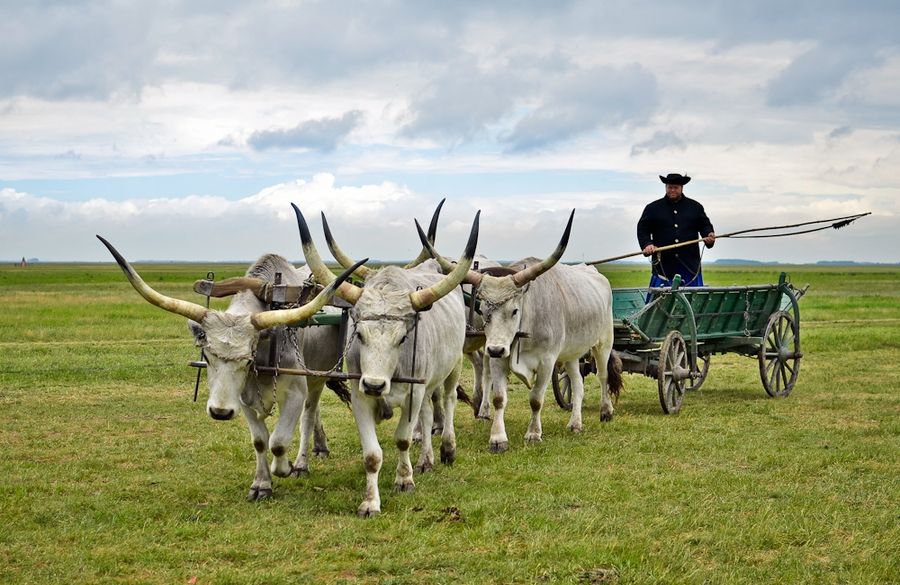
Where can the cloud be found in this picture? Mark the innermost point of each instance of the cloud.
(583, 101)
(812, 75)
(323, 134)
(461, 102)
(659, 141)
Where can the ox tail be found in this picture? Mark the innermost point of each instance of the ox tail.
(340, 388)
(462, 396)
(614, 379)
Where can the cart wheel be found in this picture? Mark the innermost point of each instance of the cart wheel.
(779, 355)
(703, 366)
(672, 372)
(562, 387)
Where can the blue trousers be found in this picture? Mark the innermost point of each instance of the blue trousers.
(658, 281)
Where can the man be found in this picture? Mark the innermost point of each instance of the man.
(671, 220)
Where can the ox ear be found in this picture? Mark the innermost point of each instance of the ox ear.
(198, 333)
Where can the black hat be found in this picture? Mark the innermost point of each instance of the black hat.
(675, 179)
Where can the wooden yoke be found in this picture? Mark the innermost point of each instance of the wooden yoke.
(265, 291)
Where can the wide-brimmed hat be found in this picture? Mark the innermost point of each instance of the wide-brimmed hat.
(675, 179)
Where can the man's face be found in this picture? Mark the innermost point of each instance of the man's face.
(674, 192)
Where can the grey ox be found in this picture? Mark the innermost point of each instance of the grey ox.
(384, 317)
(566, 312)
(474, 345)
(237, 338)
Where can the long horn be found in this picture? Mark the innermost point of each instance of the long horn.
(526, 275)
(422, 299)
(323, 274)
(177, 306)
(268, 319)
(432, 234)
(363, 272)
(472, 277)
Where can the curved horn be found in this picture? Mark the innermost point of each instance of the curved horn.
(422, 299)
(345, 290)
(177, 306)
(363, 272)
(472, 277)
(268, 319)
(526, 275)
(432, 234)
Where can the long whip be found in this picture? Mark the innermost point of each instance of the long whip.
(836, 223)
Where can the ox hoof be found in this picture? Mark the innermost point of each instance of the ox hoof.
(299, 472)
(321, 453)
(404, 485)
(368, 510)
(575, 428)
(482, 417)
(499, 446)
(424, 467)
(606, 416)
(448, 456)
(533, 438)
(257, 493)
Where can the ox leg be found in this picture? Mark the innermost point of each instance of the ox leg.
(308, 423)
(577, 381)
(601, 358)
(426, 455)
(482, 399)
(448, 436)
(403, 480)
(281, 438)
(499, 368)
(535, 432)
(437, 425)
(320, 440)
(364, 413)
(261, 488)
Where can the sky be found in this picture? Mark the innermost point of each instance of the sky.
(184, 130)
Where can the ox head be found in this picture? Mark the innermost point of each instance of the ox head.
(501, 293)
(228, 340)
(384, 312)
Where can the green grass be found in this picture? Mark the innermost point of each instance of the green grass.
(111, 473)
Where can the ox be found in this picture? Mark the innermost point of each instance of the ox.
(566, 312)
(473, 347)
(237, 338)
(402, 317)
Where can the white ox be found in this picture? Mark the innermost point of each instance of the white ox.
(473, 347)
(384, 316)
(234, 339)
(566, 312)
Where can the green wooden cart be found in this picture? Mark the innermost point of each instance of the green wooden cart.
(670, 333)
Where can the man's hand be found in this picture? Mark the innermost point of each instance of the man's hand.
(710, 239)
(650, 249)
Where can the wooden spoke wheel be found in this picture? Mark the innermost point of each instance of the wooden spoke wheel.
(562, 387)
(703, 370)
(673, 372)
(779, 355)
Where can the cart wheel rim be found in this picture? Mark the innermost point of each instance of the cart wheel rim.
(703, 360)
(672, 371)
(779, 355)
(562, 387)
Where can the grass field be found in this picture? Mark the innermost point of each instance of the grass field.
(111, 474)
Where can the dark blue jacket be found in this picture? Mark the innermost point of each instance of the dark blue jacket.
(664, 223)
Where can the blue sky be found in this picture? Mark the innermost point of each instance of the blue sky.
(184, 133)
